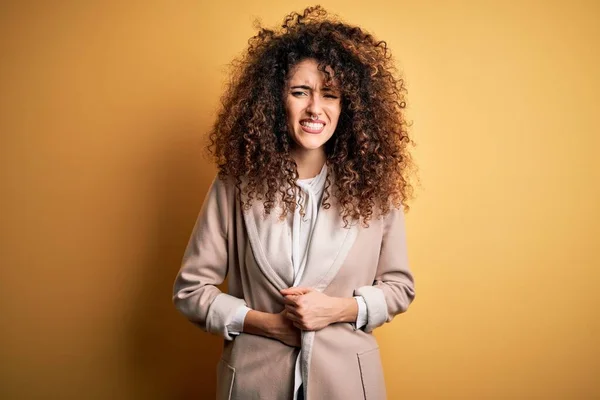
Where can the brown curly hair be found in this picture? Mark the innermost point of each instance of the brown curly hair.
(368, 153)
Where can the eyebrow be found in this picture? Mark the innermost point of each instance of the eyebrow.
(306, 87)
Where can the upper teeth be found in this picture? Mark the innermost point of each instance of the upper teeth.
(312, 125)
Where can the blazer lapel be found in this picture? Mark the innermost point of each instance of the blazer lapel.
(270, 239)
(271, 244)
(328, 248)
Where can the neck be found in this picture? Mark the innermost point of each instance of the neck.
(309, 162)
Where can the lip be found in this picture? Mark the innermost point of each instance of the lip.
(318, 121)
(309, 130)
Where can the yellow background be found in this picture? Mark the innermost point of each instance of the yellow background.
(103, 111)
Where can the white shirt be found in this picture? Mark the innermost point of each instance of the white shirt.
(302, 227)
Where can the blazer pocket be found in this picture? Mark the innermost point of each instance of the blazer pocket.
(225, 378)
(371, 373)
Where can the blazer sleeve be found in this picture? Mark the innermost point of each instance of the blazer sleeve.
(205, 264)
(393, 289)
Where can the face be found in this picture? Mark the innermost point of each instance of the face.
(312, 108)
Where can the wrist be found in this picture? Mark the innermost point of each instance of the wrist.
(346, 310)
(258, 323)
(272, 323)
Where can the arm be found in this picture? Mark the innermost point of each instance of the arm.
(393, 289)
(204, 266)
(274, 326)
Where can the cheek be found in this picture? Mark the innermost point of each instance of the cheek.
(289, 114)
(335, 114)
(291, 111)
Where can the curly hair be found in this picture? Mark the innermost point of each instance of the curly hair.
(368, 152)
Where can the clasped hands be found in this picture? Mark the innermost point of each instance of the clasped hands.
(308, 309)
(305, 309)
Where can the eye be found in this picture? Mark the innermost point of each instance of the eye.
(331, 96)
(299, 93)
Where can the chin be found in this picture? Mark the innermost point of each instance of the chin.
(310, 145)
(312, 142)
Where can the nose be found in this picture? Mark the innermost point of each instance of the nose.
(314, 106)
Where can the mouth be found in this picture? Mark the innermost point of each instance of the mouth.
(312, 126)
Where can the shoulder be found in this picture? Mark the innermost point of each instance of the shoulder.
(393, 216)
(222, 186)
(220, 196)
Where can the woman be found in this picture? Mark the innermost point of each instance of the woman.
(305, 217)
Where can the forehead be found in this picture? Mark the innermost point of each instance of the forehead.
(307, 72)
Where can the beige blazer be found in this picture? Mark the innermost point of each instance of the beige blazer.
(253, 250)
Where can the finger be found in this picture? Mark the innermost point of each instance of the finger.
(291, 300)
(299, 326)
(296, 291)
(294, 318)
(290, 291)
(289, 310)
(304, 290)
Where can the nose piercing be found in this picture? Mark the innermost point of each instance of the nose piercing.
(313, 116)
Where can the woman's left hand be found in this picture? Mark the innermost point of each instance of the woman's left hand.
(310, 310)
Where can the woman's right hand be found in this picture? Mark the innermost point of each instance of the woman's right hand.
(283, 329)
(274, 326)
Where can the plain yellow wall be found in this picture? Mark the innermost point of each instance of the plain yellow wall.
(103, 111)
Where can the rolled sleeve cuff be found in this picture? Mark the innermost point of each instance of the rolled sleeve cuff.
(375, 304)
(361, 317)
(222, 313)
(236, 326)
